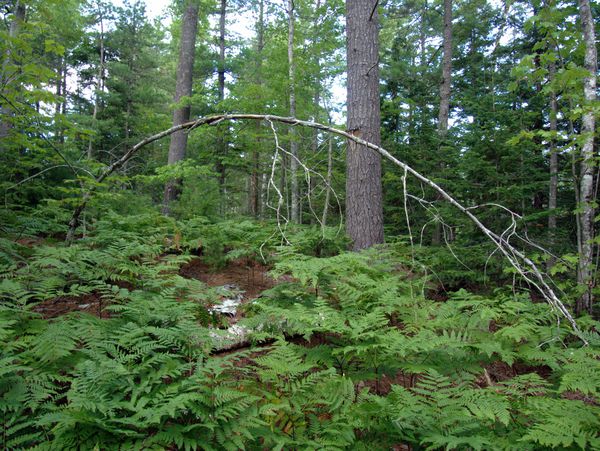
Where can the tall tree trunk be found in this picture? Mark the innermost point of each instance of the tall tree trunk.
(585, 268)
(99, 83)
(221, 144)
(446, 82)
(315, 149)
(553, 188)
(189, 28)
(283, 183)
(221, 69)
(59, 77)
(254, 195)
(295, 201)
(364, 207)
(264, 192)
(15, 24)
(62, 101)
(57, 106)
(445, 90)
(423, 71)
(576, 179)
(316, 101)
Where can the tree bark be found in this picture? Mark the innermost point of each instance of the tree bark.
(99, 82)
(445, 91)
(295, 200)
(221, 144)
(328, 181)
(15, 25)
(364, 205)
(60, 76)
(254, 194)
(553, 188)
(446, 82)
(585, 267)
(316, 103)
(63, 106)
(189, 29)
(221, 69)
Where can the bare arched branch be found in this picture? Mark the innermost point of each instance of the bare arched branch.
(521, 262)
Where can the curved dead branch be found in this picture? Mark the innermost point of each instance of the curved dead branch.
(522, 264)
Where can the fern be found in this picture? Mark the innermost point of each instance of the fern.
(144, 378)
(581, 372)
(552, 428)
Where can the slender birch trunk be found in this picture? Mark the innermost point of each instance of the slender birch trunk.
(585, 268)
(295, 200)
(99, 83)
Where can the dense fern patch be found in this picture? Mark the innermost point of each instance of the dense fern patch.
(346, 353)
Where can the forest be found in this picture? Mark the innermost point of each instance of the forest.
(299, 225)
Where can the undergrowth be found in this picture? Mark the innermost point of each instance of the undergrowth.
(348, 353)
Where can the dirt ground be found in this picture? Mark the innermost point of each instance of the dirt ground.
(90, 303)
(252, 279)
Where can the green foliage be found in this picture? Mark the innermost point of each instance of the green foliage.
(361, 358)
(376, 326)
(349, 351)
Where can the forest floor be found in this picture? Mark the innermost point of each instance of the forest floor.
(251, 280)
(248, 279)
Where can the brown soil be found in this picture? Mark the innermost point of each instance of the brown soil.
(31, 242)
(499, 371)
(252, 278)
(383, 386)
(578, 396)
(90, 303)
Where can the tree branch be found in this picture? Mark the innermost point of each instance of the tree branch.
(523, 264)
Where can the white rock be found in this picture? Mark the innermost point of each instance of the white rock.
(232, 298)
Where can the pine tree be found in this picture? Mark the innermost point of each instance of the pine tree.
(364, 209)
(183, 91)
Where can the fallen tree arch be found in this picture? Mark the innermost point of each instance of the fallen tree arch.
(521, 262)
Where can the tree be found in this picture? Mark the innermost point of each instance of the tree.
(295, 201)
(445, 90)
(101, 72)
(364, 207)
(18, 17)
(183, 90)
(587, 188)
(445, 84)
(221, 144)
(254, 194)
